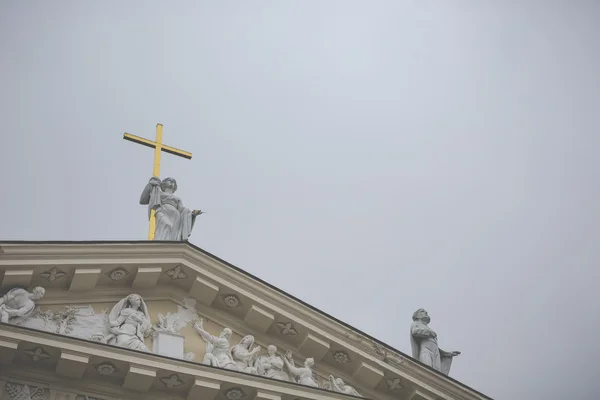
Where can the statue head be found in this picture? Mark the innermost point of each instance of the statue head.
(169, 185)
(38, 292)
(247, 341)
(309, 362)
(421, 315)
(340, 383)
(226, 333)
(271, 349)
(134, 301)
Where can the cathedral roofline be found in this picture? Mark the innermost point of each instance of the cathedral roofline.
(251, 276)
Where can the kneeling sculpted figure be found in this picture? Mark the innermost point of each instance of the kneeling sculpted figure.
(304, 374)
(424, 345)
(129, 323)
(217, 348)
(19, 303)
(271, 365)
(244, 356)
(338, 385)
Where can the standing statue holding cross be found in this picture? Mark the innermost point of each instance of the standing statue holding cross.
(169, 219)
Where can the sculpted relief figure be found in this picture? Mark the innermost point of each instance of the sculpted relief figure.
(173, 220)
(340, 386)
(217, 348)
(271, 365)
(304, 374)
(424, 345)
(19, 303)
(129, 323)
(244, 356)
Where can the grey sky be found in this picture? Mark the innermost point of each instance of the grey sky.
(369, 157)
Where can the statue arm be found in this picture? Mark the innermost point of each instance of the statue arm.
(146, 327)
(145, 197)
(119, 321)
(183, 210)
(180, 206)
(334, 385)
(207, 337)
(444, 353)
(23, 310)
(276, 363)
(8, 296)
(292, 368)
(422, 331)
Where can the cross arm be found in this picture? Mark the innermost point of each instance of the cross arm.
(150, 143)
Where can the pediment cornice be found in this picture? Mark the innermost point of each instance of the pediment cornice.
(178, 269)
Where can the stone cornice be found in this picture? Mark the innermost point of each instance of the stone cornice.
(214, 271)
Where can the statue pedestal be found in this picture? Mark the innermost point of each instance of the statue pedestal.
(168, 344)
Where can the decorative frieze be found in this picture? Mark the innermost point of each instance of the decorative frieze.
(117, 274)
(394, 384)
(286, 328)
(37, 354)
(172, 381)
(235, 394)
(341, 357)
(53, 274)
(176, 273)
(106, 369)
(231, 300)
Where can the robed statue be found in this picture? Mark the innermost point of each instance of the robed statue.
(173, 220)
(424, 345)
(271, 365)
(129, 323)
(244, 355)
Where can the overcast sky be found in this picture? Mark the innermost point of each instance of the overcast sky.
(369, 157)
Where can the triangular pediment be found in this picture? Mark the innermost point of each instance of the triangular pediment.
(179, 284)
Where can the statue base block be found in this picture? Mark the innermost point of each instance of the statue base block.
(168, 344)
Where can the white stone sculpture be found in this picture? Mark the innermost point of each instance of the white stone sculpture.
(271, 365)
(166, 339)
(303, 375)
(217, 347)
(338, 385)
(19, 303)
(244, 355)
(169, 323)
(173, 220)
(129, 323)
(424, 344)
(65, 319)
(76, 321)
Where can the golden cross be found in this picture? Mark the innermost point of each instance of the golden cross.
(158, 146)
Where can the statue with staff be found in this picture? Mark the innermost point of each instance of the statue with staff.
(169, 219)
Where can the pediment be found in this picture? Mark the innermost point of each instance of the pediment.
(179, 284)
